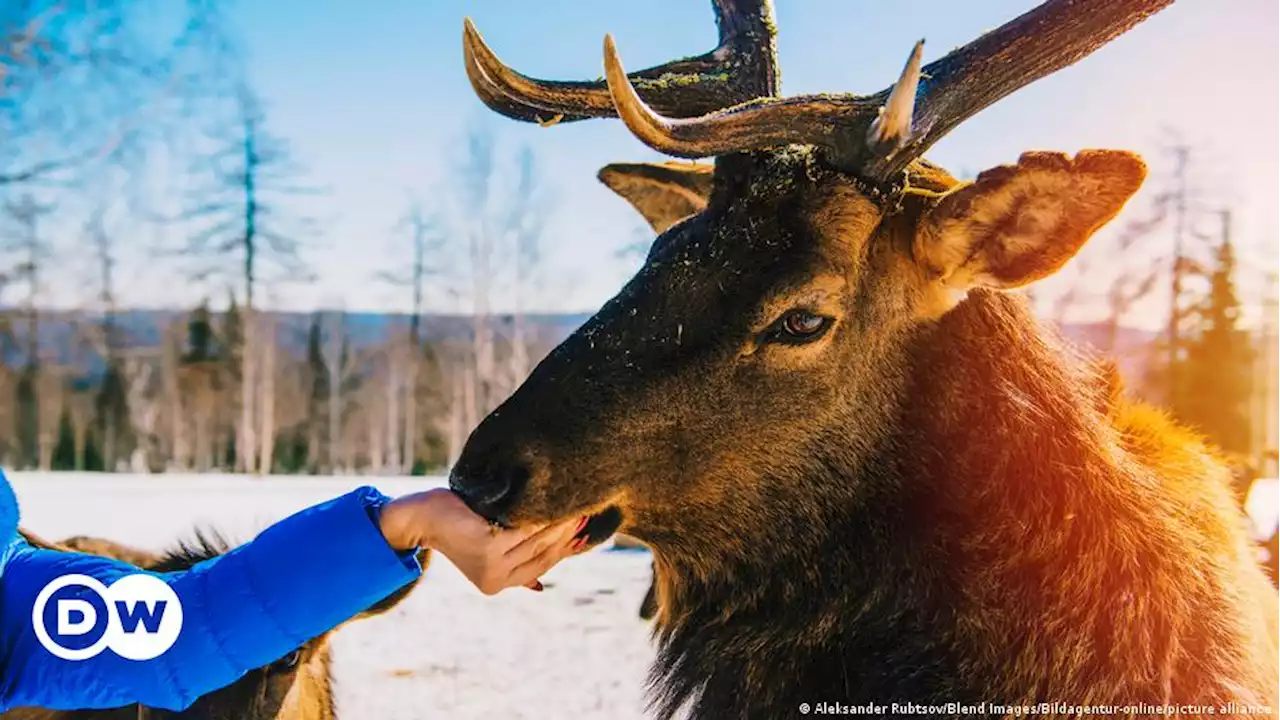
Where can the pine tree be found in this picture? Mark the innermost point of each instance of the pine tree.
(112, 405)
(200, 340)
(1215, 380)
(318, 395)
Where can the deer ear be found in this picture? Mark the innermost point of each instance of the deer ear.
(1017, 224)
(664, 193)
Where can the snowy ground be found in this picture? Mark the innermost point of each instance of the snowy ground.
(577, 650)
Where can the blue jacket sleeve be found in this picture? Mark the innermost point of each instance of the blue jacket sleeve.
(296, 580)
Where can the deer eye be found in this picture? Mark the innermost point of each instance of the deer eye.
(798, 326)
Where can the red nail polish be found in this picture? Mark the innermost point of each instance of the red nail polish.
(537, 586)
(582, 522)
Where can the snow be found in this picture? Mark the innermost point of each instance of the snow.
(576, 650)
(1263, 506)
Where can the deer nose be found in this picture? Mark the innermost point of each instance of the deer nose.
(492, 489)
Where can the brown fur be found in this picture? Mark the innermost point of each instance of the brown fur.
(1109, 401)
(299, 686)
(925, 501)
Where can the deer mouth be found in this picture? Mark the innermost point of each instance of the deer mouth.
(601, 526)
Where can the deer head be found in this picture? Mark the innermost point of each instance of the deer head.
(765, 339)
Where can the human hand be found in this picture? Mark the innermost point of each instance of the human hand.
(492, 558)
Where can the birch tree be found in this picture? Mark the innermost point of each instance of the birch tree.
(406, 379)
(524, 223)
(266, 396)
(474, 183)
(340, 366)
(175, 415)
(500, 214)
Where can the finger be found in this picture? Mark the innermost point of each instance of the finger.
(505, 539)
(530, 546)
(538, 544)
(539, 541)
(537, 565)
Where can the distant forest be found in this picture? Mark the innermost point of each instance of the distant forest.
(338, 392)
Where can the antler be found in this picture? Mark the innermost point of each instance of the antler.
(683, 108)
(877, 136)
(742, 67)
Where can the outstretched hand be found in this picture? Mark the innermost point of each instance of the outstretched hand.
(492, 558)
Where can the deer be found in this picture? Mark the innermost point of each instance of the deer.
(665, 193)
(867, 473)
(298, 686)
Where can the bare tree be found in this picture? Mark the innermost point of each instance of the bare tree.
(177, 448)
(475, 184)
(33, 251)
(244, 216)
(51, 399)
(200, 386)
(95, 79)
(1132, 284)
(10, 451)
(340, 366)
(30, 251)
(500, 214)
(266, 325)
(459, 418)
(405, 377)
(141, 386)
(524, 226)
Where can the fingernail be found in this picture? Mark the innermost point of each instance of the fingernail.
(537, 586)
(579, 544)
(582, 522)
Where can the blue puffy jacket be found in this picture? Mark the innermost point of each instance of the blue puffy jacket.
(298, 579)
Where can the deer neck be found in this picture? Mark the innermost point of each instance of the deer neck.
(1054, 517)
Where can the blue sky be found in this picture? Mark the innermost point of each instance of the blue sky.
(374, 100)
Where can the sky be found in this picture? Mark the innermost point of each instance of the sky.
(375, 103)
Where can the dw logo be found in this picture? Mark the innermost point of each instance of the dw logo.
(75, 617)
